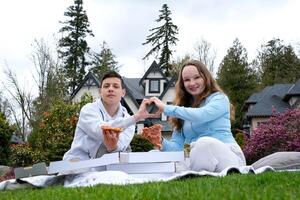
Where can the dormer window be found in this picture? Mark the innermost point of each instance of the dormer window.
(154, 86)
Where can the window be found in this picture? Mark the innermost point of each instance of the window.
(154, 86)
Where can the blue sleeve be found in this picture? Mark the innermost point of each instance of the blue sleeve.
(215, 106)
(175, 144)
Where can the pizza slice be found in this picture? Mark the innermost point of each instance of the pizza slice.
(109, 128)
(153, 134)
(110, 137)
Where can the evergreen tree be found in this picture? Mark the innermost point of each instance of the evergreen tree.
(278, 63)
(73, 46)
(103, 61)
(162, 38)
(5, 134)
(237, 78)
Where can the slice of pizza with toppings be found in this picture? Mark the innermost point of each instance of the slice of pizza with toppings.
(153, 134)
(109, 128)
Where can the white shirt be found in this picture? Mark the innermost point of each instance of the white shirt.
(88, 134)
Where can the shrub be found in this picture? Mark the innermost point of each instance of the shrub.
(280, 133)
(22, 155)
(5, 134)
(240, 139)
(140, 144)
(54, 133)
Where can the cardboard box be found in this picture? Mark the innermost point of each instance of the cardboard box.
(65, 165)
(152, 156)
(143, 168)
(133, 162)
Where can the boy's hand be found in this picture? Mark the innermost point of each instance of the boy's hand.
(111, 137)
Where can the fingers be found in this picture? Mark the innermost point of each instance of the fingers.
(110, 139)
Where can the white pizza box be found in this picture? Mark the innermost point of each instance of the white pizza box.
(115, 158)
(151, 156)
(143, 168)
(66, 165)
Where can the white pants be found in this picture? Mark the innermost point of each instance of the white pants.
(212, 155)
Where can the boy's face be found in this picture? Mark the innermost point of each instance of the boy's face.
(111, 91)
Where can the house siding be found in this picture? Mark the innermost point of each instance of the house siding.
(94, 91)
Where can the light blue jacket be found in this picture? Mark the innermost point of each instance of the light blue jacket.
(211, 118)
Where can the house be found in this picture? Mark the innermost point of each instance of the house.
(278, 97)
(153, 83)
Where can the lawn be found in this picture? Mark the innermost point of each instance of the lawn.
(268, 185)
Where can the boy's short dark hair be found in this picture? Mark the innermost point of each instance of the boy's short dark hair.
(112, 74)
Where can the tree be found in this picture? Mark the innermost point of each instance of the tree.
(4, 106)
(178, 63)
(5, 135)
(237, 78)
(162, 38)
(73, 46)
(278, 63)
(103, 61)
(49, 80)
(205, 54)
(23, 99)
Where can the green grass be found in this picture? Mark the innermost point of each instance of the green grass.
(269, 185)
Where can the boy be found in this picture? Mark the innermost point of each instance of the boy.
(90, 140)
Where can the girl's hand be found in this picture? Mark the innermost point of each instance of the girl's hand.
(159, 104)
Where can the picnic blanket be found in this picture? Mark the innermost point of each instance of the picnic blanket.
(118, 178)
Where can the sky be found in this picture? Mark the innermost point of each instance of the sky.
(124, 26)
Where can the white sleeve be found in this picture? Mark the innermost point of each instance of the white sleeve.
(90, 121)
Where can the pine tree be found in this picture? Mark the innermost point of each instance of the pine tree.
(103, 61)
(278, 63)
(237, 78)
(73, 46)
(162, 38)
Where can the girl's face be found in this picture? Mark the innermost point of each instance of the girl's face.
(192, 80)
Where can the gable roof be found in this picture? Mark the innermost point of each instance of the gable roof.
(271, 98)
(133, 89)
(93, 82)
(154, 67)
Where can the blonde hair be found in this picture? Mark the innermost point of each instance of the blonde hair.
(183, 98)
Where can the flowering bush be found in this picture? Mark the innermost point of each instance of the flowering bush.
(22, 155)
(280, 133)
(54, 134)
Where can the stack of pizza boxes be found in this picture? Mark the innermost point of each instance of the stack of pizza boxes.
(153, 162)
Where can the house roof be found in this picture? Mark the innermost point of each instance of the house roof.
(154, 67)
(269, 100)
(93, 82)
(293, 91)
(255, 97)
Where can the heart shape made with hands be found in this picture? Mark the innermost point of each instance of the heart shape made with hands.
(152, 109)
(153, 134)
